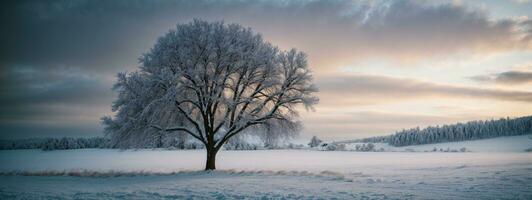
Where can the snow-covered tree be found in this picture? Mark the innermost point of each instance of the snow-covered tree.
(314, 142)
(211, 81)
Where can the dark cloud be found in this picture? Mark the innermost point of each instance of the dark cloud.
(372, 88)
(508, 78)
(514, 77)
(33, 86)
(20, 130)
(51, 100)
(109, 35)
(96, 35)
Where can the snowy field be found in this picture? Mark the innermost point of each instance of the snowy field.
(269, 174)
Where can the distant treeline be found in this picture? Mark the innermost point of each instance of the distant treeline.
(48, 144)
(456, 132)
(55, 143)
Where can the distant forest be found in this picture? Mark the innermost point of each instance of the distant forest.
(456, 132)
(169, 141)
(55, 143)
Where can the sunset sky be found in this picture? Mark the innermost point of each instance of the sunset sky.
(380, 66)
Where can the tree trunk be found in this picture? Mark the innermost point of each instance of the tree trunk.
(211, 159)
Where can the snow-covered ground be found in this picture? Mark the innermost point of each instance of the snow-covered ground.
(278, 174)
(499, 144)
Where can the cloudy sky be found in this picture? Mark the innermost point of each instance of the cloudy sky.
(380, 65)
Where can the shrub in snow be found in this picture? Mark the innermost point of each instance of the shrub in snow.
(370, 147)
(463, 149)
(295, 146)
(361, 147)
(365, 147)
(340, 147)
(325, 146)
(314, 142)
(332, 147)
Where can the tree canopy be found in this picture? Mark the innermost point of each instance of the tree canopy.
(212, 81)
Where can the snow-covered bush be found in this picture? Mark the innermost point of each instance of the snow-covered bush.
(370, 147)
(314, 142)
(332, 147)
(295, 146)
(365, 147)
(463, 149)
